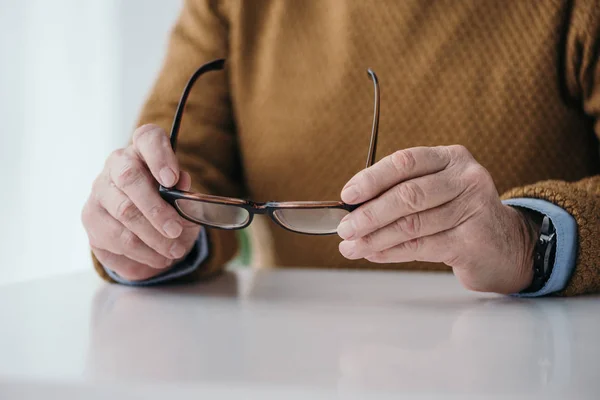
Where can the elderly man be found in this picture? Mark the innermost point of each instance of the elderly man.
(488, 140)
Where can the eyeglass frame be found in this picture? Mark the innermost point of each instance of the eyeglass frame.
(171, 195)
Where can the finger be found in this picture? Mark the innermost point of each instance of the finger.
(425, 223)
(107, 233)
(121, 208)
(130, 175)
(124, 267)
(152, 144)
(185, 181)
(185, 184)
(398, 167)
(435, 248)
(406, 198)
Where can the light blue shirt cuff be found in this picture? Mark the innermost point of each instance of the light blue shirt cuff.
(566, 243)
(182, 268)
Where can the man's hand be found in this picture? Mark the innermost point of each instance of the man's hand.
(438, 204)
(131, 229)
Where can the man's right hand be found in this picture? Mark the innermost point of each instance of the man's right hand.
(131, 229)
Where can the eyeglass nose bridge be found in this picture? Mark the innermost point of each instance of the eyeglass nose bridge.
(261, 208)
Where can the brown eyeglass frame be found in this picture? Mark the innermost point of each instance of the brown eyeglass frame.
(171, 195)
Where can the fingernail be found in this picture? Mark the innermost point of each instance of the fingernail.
(167, 176)
(173, 229)
(177, 250)
(350, 194)
(346, 230)
(347, 248)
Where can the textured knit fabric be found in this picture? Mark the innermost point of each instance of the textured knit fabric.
(516, 82)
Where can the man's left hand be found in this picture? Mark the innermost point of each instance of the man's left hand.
(438, 204)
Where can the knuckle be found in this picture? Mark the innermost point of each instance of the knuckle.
(114, 157)
(159, 139)
(156, 211)
(413, 245)
(471, 175)
(404, 160)
(154, 138)
(369, 179)
(129, 239)
(116, 154)
(163, 246)
(93, 241)
(409, 195)
(105, 257)
(378, 257)
(150, 135)
(370, 216)
(476, 175)
(98, 195)
(88, 219)
(166, 143)
(130, 174)
(158, 261)
(460, 151)
(444, 153)
(86, 214)
(127, 211)
(112, 237)
(366, 242)
(99, 189)
(97, 184)
(410, 225)
(143, 131)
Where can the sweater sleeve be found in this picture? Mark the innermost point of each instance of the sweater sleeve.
(580, 199)
(207, 143)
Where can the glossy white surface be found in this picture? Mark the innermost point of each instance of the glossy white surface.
(293, 334)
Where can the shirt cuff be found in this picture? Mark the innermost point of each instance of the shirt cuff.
(193, 260)
(566, 243)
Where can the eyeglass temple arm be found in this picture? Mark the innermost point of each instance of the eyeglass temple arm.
(219, 64)
(375, 129)
(215, 65)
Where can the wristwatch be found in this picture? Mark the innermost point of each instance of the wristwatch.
(543, 255)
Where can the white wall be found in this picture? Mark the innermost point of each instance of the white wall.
(73, 75)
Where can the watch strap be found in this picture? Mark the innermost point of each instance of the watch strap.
(544, 255)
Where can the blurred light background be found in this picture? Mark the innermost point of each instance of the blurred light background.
(73, 77)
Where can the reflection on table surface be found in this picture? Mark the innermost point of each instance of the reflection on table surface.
(336, 330)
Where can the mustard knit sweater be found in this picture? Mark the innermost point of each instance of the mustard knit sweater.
(516, 82)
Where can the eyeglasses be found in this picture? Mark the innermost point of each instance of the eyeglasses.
(306, 217)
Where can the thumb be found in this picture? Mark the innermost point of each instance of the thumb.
(185, 181)
(152, 145)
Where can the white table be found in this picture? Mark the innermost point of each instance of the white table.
(306, 334)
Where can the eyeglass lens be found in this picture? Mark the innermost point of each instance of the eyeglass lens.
(213, 214)
(311, 220)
